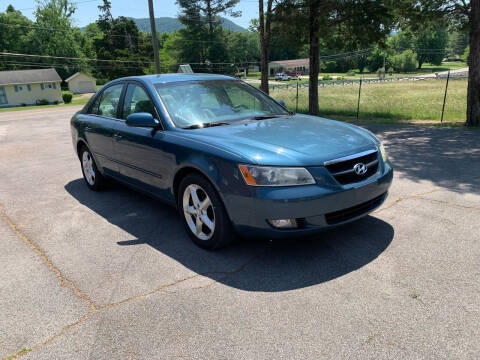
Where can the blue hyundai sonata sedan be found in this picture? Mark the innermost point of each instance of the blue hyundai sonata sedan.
(229, 157)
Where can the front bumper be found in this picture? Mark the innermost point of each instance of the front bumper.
(316, 207)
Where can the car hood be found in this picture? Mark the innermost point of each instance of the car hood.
(297, 140)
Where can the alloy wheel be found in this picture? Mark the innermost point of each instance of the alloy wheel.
(88, 170)
(199, 212)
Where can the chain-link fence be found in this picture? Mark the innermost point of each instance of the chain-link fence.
(412, 98)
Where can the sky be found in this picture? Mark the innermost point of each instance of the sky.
(87, 10)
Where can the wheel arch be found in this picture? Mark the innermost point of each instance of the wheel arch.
(189, 169)
(80, 144)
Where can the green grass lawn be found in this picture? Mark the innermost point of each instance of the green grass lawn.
(426, 69)
(76, 100)
(408, 100)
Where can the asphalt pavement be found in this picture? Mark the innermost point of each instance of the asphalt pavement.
(112, 275)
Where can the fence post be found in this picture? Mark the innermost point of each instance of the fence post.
(296, 105)
(445, 96)
(359, 93)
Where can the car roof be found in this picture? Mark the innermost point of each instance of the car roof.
(167, 78)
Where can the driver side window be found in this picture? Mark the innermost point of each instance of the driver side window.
(136, 101)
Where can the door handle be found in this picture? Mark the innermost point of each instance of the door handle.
(88, 128)
(117, 136)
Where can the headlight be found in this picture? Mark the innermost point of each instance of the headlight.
(275, 176)
(383, 152)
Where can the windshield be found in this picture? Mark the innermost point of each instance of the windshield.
(200, 103)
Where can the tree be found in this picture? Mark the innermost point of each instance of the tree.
(362, 22)
(430, 44)
(288, 39)
(466, 54)
(243, 47)
(264, 27)
(464, 15)
(457, 42)
(404, 62)
(53, 34)
(375, 59)
(473, 93)
(14, 28)
(119, 40)
(202, 38)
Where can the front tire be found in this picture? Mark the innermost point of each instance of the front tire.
(93, 178)
(203, 213)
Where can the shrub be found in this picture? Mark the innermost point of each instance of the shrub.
(375, 60)
(67, 97)
(351, 73)
(56, 102)
(466, 54)
(329, 66)
(405, 62)
(43, 102)
(326, 77)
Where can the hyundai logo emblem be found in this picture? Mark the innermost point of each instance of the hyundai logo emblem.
(360, 169)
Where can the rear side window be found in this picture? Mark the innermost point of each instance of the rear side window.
(94, 107)
(107, 103)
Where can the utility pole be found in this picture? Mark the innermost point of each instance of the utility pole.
(154, 37)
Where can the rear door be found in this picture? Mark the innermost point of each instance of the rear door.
(99, 127)
(141, 153)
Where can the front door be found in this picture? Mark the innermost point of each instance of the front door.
(100, 124)
(140, 152)
(3, 96)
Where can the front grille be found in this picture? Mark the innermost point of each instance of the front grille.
(354, 211)
(342, 170)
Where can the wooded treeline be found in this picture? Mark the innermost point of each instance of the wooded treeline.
(336, 35)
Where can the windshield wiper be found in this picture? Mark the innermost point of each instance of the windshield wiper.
(264, 117)
(205, 125)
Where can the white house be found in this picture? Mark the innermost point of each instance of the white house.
(28, 87)
(81, 83)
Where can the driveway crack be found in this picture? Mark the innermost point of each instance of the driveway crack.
(63, 281)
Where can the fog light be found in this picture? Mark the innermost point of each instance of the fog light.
(283, 223)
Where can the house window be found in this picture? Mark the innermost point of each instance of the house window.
(29, 88)
(3, 96)
(18, 88)
(48, 86)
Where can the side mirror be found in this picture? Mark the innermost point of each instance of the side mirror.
(281, 102)
(142, 119)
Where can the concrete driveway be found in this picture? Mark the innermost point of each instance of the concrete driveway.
(112, 275)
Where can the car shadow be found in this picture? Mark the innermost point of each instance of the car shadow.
(446, 157)
(248, 264)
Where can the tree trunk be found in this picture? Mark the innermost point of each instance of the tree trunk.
(473, 94)
(420, 63)
(314, 57)
(264, 28)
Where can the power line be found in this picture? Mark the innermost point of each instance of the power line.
(72, 58)
(46, 65)
(144, 38)
(65, 30)
(75, 3)
(7, 54)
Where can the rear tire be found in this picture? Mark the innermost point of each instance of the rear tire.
(203, 213)
(92, 176)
